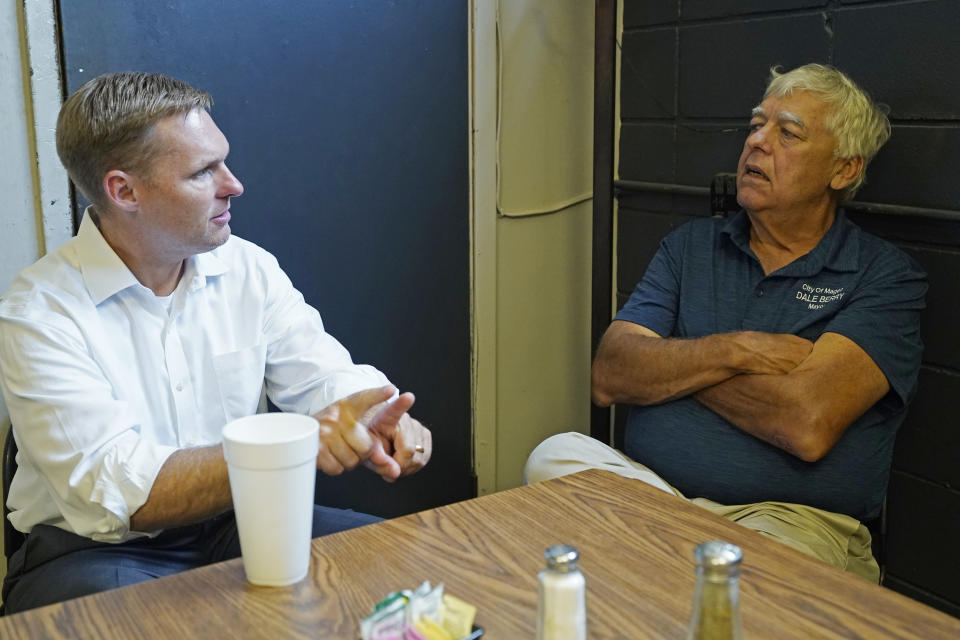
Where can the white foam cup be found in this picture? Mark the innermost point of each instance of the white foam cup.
(272, 462)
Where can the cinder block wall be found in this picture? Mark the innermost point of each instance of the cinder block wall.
(691, 70)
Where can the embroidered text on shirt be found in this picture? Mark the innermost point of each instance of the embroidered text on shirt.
(817, 297)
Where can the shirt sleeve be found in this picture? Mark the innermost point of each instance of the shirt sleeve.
(655, 301)
(78, 442)
(882, 316)
(307, 369)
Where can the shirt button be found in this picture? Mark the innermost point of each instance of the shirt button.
(759, 292)
(179, 386)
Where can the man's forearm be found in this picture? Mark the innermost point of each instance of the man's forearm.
(192, 485)
(764, 406)
(636, 366)
(806, 410)
(647, 370)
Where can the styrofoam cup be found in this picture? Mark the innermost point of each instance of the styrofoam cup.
(272, 462)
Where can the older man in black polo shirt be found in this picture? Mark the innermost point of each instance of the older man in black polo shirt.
(770, 357)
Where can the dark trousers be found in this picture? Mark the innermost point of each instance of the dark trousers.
(53, 565)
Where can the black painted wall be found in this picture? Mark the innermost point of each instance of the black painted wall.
(691, 71)
(348, 127)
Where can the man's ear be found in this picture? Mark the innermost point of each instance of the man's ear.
(847, 171)
(119, 187)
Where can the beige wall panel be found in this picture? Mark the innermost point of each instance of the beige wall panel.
(543, 333)
(546, 104)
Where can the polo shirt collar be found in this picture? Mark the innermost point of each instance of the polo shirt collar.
(836, 251)
(105, 274)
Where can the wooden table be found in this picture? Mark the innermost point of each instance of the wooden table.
(636, 547)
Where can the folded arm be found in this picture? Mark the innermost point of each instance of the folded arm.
(635, 365)
(796, 395)
(805, 410)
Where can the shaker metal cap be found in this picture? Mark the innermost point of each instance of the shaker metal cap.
(716, 553)
(561, 557)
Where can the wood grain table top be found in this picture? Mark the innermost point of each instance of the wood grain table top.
(636, 550)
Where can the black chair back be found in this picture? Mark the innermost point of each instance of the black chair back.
(12, 539)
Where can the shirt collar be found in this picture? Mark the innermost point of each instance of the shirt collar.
(835, 251)
(105, 274)
(207, 264)
(103, 271)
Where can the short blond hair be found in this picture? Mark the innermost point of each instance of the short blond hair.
(107, 122)
(859, 125)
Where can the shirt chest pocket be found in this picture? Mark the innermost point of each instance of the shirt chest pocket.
(240, 380)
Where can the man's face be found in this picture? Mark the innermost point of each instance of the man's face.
(184, 197)
(788, 163)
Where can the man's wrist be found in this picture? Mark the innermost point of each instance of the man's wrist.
(728, 350)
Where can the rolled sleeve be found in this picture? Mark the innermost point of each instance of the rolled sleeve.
(78, 443)
(126, 475)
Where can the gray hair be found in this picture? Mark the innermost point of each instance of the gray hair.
(859, 125)
(107, 122)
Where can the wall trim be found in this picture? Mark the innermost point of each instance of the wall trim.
(52, 186)
(483, 229)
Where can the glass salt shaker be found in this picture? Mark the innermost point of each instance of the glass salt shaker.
(562, 610)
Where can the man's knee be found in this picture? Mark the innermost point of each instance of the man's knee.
(558, 455)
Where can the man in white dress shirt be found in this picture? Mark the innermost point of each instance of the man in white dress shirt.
(124, 353)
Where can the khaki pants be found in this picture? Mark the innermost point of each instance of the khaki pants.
(835, 538)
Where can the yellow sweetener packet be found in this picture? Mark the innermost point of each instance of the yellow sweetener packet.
(431, 630)
(457, 616)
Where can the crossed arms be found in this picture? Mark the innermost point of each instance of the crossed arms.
(795, 394)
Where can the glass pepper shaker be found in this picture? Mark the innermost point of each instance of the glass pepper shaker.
(716, 598)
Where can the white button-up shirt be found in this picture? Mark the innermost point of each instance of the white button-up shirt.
(103, 380)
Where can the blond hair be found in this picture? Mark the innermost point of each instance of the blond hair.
(859, 125)
(107, 122)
